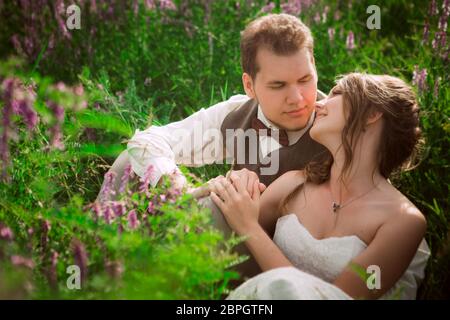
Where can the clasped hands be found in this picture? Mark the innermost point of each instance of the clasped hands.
(238, 197)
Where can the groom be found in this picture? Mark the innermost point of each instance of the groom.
(263, 133)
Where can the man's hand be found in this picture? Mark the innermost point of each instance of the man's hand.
(247, 178)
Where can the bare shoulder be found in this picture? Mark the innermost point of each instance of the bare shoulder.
(282, 186)
(403, 216)
(288, 181)
(297, 175)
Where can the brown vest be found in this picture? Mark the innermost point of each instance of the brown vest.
(292, 157)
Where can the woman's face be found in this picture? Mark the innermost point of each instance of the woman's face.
(330, 119)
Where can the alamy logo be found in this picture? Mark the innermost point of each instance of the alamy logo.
(74, 280)
(74, 17)
(374, 279)
(374, 20)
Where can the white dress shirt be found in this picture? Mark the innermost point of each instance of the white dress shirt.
(194, 141)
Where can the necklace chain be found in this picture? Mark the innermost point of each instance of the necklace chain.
(337, 206)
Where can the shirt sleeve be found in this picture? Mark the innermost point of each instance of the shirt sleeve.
(193, 141)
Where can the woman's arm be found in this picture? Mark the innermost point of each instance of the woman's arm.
(266, 253)
(392, 250)
(242, 212)
(272, 197)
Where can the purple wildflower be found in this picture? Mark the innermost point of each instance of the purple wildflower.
(151, 207)
(78, 90)
(20, 99)
(268, 7)
(325, 14)
(443, 39)
(53, 275)
(22, 261)
(136, 7)
(317, 18)
(146, 179)
(93, 6)
(60, 12)
(337, 15)
(6, 233)
(436, 87)
(433, 8)
(96, 209)
(293, 7)
(45, 228)
(108, 214)
(57, 138)
(331, 33)
(16, 43)
(419, 78)
(108, 186)
(29, 115)
(150, 4)
(8, 92)
(133, 221)
(118, 208)
(80, 257)
(114, 268)
(167, 5)
(127, 174)
(426, 32)
(350, 43)
(443, 24)
(58, 112)
(55, 130)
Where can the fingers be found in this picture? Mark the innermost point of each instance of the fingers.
(256, 193)
(215, 198)
(223, 188)
(252, 177)
(212, 182)
(237, 182)
(243, 176)
(247, 179)
(228, 189)
(262, 187)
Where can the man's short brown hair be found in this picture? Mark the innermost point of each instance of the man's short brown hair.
(283, 34)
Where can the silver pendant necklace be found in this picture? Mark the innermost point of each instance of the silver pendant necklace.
(337, 206)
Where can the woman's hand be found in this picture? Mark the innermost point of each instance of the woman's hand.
(240, 209)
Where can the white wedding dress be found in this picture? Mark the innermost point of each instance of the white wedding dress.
(317, 263)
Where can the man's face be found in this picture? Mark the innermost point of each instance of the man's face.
(285, 87)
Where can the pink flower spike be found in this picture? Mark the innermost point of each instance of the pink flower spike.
(127, 174)
(150, 207)
(21, 261)
(331, 33)
(133, 222)
(350, 43)
(6, 233)
(145, 181)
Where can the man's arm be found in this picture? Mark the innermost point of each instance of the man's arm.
(194, 141)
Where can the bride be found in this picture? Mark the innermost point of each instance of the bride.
(324, 232)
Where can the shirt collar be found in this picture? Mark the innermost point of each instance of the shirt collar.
(293, 136)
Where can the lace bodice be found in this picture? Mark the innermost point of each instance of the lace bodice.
(327, 258)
